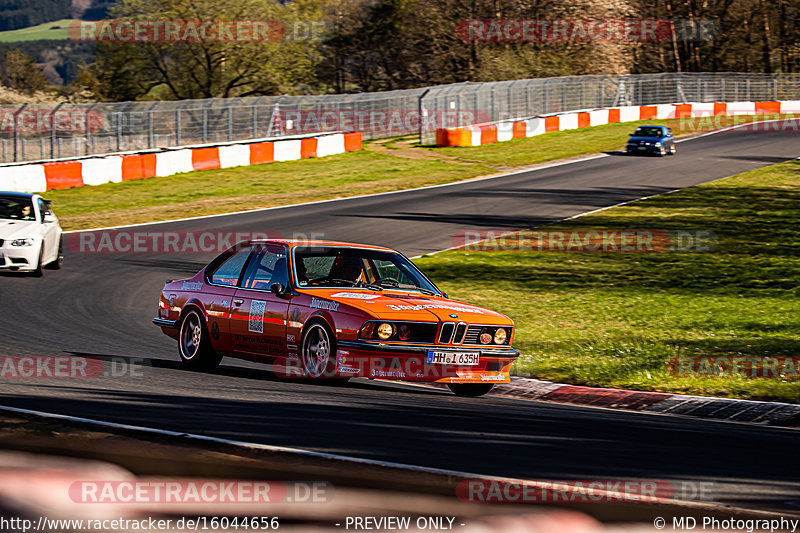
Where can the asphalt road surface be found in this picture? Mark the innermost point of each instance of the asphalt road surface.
(102, 304)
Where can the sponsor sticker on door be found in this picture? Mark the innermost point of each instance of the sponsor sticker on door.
(256, 322)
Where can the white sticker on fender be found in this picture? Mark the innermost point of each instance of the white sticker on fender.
(434, 306)
(355, 295)
(324, 304)
(256, 321)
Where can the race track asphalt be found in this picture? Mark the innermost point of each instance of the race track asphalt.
(102, 305)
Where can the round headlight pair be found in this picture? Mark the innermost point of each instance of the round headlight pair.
(385, 331)
(500, 336)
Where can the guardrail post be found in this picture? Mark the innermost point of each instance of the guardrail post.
(204, 115)
(151, 136)
(53, 130)
(254, 117)
(16, 129)
(86, 125)
(230, 119)
(178, 125)
(421, 111)
(118, 132)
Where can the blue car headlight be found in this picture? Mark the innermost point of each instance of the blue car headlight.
(658, 144)
(23, 242)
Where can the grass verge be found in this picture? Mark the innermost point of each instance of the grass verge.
(615, 319)
(369, 171)
(56, 30)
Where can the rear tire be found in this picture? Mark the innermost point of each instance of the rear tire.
(470, 390)
(194, 345)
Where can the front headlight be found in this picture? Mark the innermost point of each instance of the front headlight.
(23, 242)
(500, 336)
(385, 331)
(658, 144)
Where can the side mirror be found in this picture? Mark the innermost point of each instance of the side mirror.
(445, 295)
(277, 289)
(49, 218)
(630, 135)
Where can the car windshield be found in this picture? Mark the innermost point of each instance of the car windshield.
(317, 267)
(14, 208)
(648, 132)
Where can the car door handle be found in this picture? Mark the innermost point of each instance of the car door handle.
(238, 301)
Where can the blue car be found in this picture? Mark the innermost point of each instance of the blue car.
(656, 140)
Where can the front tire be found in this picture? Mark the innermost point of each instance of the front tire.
(194, 345)
(38, 272)
(673, 150)
(470, 390)
(319, 348)
(58, 262)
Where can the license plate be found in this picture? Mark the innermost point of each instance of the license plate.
(453, 358)
(643, 148)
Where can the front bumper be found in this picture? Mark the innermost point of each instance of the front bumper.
(645, 149)
(409, 363)
(19, 257)
(411, 349)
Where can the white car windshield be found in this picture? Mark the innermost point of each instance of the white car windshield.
(12, 208)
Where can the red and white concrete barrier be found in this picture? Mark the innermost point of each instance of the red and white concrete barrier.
(115, 168)
(480, 134)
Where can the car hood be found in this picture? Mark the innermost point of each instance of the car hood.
(401, 305)
(17, 229)
(648, 139)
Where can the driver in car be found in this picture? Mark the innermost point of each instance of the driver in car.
(348, 268)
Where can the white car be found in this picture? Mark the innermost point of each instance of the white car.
(30, 237)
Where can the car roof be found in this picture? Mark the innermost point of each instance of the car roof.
(321, 243)
(19, 195)
(651, 126)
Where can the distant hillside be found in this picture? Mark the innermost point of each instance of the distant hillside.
(59, 59)
(16, 14)
(26, 25)
(56, 30)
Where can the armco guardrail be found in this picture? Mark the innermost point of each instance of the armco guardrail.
(479, 134)
(65, 174)
(37, 131)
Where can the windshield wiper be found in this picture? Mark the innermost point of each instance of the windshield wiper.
(370, 286)
(426, 291)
